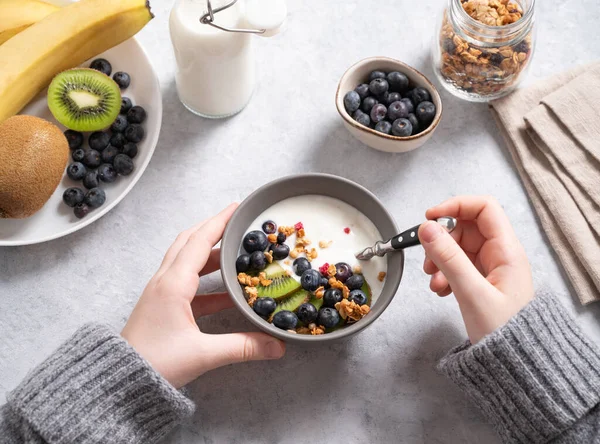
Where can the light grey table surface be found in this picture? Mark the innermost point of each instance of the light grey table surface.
(380, 387)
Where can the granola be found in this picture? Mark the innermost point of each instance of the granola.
(484, 69)
(325, 244)
(381, 276)
(351, 311)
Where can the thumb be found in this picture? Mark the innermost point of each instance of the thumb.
(449, 257)
(241, 347)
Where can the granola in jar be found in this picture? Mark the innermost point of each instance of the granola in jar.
(484, 47)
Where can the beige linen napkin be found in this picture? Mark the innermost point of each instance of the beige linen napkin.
(553, 139)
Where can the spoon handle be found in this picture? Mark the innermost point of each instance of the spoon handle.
(408, 238)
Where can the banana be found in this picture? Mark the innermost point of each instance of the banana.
(63, 40)
(18, 15)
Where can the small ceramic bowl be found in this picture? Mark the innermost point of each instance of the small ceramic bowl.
(320, 184)
(359, 73)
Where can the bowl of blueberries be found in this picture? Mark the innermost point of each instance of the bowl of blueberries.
(388, 105)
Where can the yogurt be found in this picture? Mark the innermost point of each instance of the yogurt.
(327, 219)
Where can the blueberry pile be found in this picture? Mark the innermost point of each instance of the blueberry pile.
(109, 154)
(390, 105)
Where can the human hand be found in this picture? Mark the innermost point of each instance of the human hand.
(481, 261)
(162, 327)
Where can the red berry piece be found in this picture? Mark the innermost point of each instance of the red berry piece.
(299, 226)
(323, 269)
(347, 230)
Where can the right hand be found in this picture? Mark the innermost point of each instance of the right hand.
(481, 262)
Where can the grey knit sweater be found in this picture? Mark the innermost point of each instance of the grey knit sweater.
(537, 379)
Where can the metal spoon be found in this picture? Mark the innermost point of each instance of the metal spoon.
(408, 238)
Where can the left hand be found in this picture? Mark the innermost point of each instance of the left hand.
(162, 327)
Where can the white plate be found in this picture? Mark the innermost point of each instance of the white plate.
(56, 219)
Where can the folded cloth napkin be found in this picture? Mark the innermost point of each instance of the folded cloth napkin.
(553, 134)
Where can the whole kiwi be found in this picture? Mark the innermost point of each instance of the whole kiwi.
(33, 157)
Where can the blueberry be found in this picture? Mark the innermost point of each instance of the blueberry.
(397, 110)
(383, 98)
(401, 128)
(342, 271)
(130, 149)
(332, 297)
(448, 46)
(378, 86)
(123, 164)
(286, 320)
(107, 173)
(300, 265)
(310, 280)
(255, 241)
(362, 118)
(496, 59)
(368, 104)
(362, 90)
(307, 313)
(425, 111)
(351, 101)
(134, 132)
(280, 251)
(99, 140)
(78, 154)
(522, 47)
(242, 263)
(264, 306)
(102, 65)
(384, 127)
(73, 196)
(74, 138)
(118, 140)
(393, 97)
(91, 159)
(376, 75)
(76, 171)
(328, 317)
(125, 104)
(358, 297)
(398, 82)
(122, 79)
(91, 180)
(258, 261)
(281, 237)
(136, 114)
(409, 104)
(81, 210)
(119, 124)
(378, 113)
(355, 282)
(109, 154)
(95, 198)
(269, 227)
(324, 283)
(419, 94)
(415, 123)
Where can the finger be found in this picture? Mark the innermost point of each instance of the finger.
(451, 260)
(429, 267)
(213, 263)
(176, 247)
(194, 254)
(241, 347)
(438, 282)
(445, 292)
(207, 304)
(468, 236)
(491, 218)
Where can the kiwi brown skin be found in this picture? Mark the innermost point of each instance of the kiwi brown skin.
(33, 157)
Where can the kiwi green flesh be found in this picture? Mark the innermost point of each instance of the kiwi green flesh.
(294, 301)
(84, 99)
(318, 303)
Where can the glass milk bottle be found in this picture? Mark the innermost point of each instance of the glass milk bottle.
(213, 47)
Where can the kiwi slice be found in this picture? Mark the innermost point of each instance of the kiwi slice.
(84, 99)
(318, 303)
(282, 285)
(294, 301)
(366, 289)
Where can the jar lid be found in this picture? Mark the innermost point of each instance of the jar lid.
(269, 15)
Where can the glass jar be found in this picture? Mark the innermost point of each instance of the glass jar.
(483, 48)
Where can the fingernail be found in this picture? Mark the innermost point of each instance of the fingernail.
(274, 350)
(430, 231)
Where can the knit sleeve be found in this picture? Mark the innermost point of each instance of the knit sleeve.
(94, 389)
(537, 378)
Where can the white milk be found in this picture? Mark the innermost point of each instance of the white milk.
(216, 70)
(324, 219)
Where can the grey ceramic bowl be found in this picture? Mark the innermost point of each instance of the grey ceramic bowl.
(321, 184)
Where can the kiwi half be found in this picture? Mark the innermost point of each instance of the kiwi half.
(84, 99)
(294, 301)
(282, 285)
